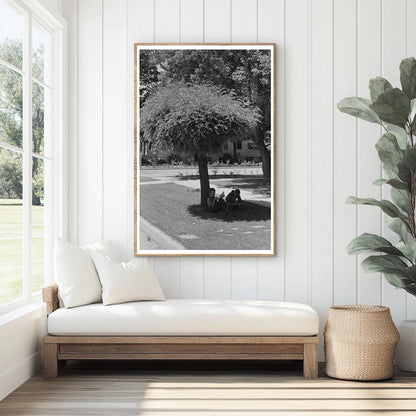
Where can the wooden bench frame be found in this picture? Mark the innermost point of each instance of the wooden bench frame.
(58, 349)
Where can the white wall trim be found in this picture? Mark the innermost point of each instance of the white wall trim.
(11, 379)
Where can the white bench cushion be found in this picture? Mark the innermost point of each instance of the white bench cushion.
(187, 318)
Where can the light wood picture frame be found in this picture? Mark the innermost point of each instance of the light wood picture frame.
(204, 143)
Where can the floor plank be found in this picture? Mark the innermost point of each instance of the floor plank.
(226, 389)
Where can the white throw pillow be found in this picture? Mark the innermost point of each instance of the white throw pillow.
(126, 282)
(75, 273)
(103, 247)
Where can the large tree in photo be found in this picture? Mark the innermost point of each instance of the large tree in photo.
(246, 72)
(196, 120)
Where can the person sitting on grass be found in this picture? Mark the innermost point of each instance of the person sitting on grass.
(216, 203)
(233, 199)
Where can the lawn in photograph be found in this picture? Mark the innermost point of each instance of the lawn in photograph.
(204, 150)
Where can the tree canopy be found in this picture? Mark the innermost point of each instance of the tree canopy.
(245, 72)
(196, 120)
(11, 116)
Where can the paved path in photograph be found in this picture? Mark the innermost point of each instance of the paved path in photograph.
(153, 238)
(224, 229)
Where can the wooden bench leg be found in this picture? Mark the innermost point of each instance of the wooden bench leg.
(50, 360)
(310, 360)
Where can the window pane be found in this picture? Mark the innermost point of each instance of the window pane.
(38, 118)
(41, 46)
(38, 229)
(11, 34)
(11, 107)
(11, 226)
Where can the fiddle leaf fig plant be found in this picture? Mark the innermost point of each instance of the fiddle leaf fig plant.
(394, 109)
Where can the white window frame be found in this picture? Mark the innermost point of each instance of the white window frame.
(58, 212)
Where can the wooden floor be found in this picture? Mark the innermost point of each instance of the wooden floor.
(223, 389)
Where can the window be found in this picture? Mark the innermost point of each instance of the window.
(30, 148)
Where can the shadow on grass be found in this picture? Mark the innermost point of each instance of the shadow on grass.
(196, 176)
(250, 211)
(254, 184)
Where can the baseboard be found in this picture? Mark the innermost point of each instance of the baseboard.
(10, 380)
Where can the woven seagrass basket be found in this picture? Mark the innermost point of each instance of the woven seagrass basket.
(360, 341)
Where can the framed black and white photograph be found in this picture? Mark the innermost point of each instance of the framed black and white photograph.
(204, 117)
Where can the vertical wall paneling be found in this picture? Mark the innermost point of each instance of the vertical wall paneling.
(345, 151)
(393, 51)
(321, 149)
(114, 124)
(192, 30)
(168, 275)
(244, 278)
(326, 50)
(137, 11)
(217, 21)
(217, 278)
(70, 11)
(296, 151)
(192, 278)
(167, 29)
(167, 21)
(192, 21)
(244, 29)
(271, 29)
(90, 183)
(244, 21)
(217, 27)
(368, 163)
(411, 51)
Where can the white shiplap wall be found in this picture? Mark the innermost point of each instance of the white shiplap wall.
(326, 50)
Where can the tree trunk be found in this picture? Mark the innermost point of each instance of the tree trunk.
(35, 199)
(265, 156)
(203, 179)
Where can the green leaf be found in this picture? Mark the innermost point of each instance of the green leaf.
(410, 158)
(412, 109)
(381, 263)
(392, 107)
(388, 207)
(400, 198)
(389, 151)
(404, 173)
(410, 272)
(396, 271)
(412, 116)
(408, 249)
(402, 139)
(400, 228)
(411, 289)
(380, 182)
(359, 107)
(408, 77)
(397, 280)
(366, 243)
(378, 86)
(398, 184)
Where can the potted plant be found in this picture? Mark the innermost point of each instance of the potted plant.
(394, 109)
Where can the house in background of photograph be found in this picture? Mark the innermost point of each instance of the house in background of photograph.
(204, 175)
(233, 151)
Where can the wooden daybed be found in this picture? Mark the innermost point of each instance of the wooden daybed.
(59, 348)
